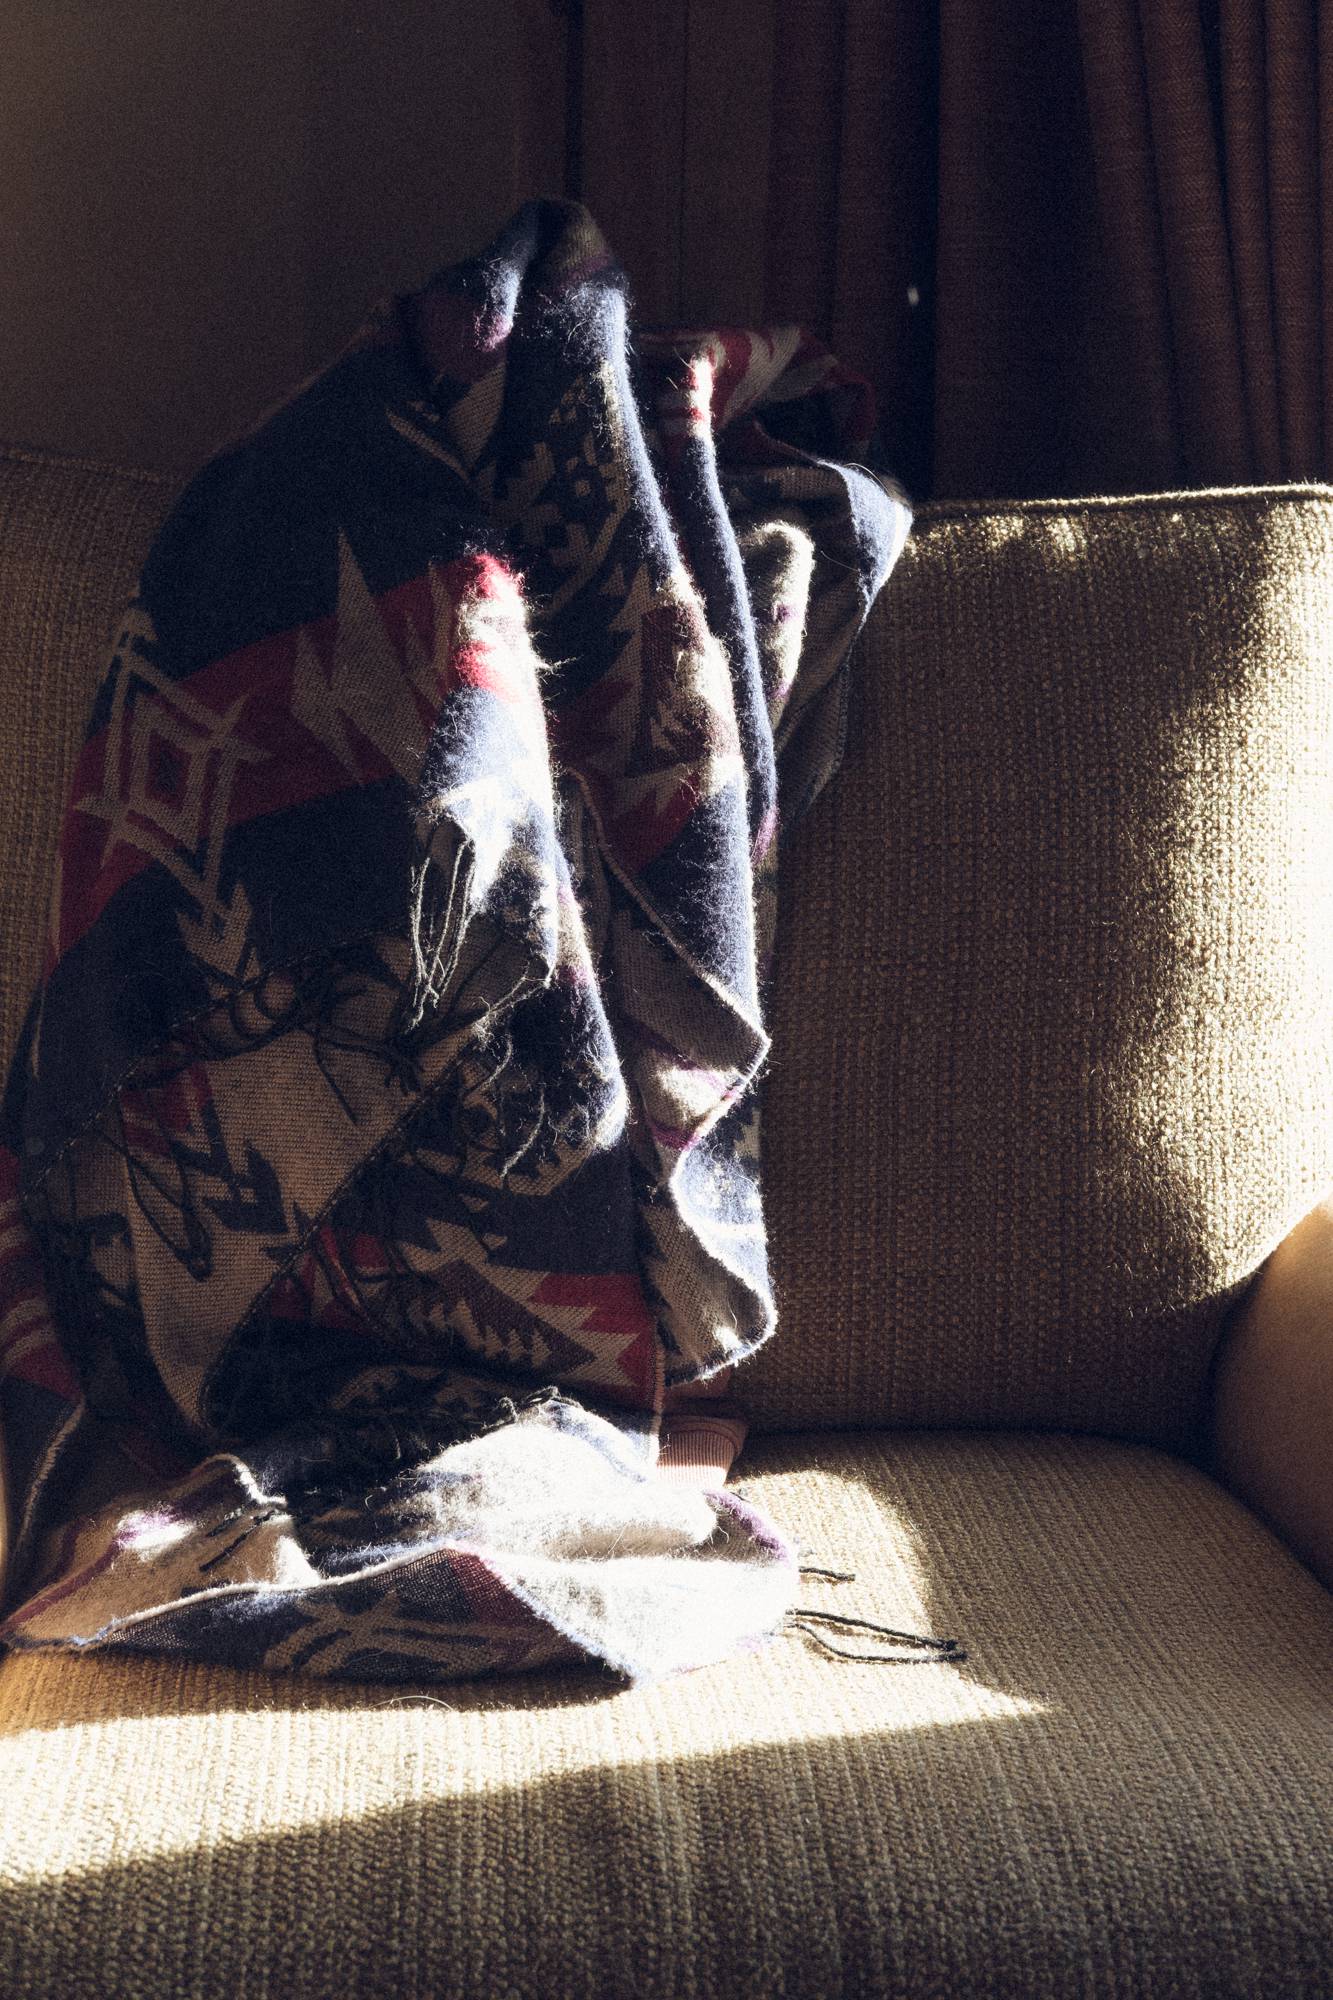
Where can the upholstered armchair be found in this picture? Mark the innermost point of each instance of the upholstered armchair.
(1057, 950)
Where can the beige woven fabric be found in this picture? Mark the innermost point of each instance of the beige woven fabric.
(1126, 1792)
(1054, 1020)
(72, 536)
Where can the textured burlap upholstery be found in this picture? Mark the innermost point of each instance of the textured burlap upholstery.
(1053, 1059)
(72, 536)
(1059, 946)
(1126, 1792)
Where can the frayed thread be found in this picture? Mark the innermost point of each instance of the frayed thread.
(922, 1649)
(437, 928)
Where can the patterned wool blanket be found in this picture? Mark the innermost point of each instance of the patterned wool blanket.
(382, 1142)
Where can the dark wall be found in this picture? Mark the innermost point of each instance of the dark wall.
(197, 203)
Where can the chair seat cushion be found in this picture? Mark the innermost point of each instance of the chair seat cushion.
(1128, 1789)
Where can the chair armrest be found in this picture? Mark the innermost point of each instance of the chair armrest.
(1273, 1414)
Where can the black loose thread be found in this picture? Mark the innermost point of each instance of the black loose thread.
(926, 1651)
(805, 1619)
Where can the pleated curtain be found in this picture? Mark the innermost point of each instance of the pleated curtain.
(1079, 245)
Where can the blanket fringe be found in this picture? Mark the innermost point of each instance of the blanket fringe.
(922, 1649)
(437, 929)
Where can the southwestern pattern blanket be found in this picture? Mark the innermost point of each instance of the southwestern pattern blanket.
(382, 1144)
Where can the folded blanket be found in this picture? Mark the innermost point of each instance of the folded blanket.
(382, 1142)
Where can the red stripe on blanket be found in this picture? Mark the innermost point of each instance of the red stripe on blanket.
(236, 746)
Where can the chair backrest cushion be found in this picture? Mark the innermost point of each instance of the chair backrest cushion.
(1053, 1024)
(1053, 1013)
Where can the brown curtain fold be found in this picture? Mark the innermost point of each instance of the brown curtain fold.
(1077, 247)
(884, 244)
(1245, 125)
(852, 196)
(1118, 217)
(1293, 201)
(1016, 210)
(1324, 133)
(1113, 70)
(1200, 291)
(804, 222)
(1205, 126)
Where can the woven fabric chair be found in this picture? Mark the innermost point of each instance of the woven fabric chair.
(1052, 1074)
